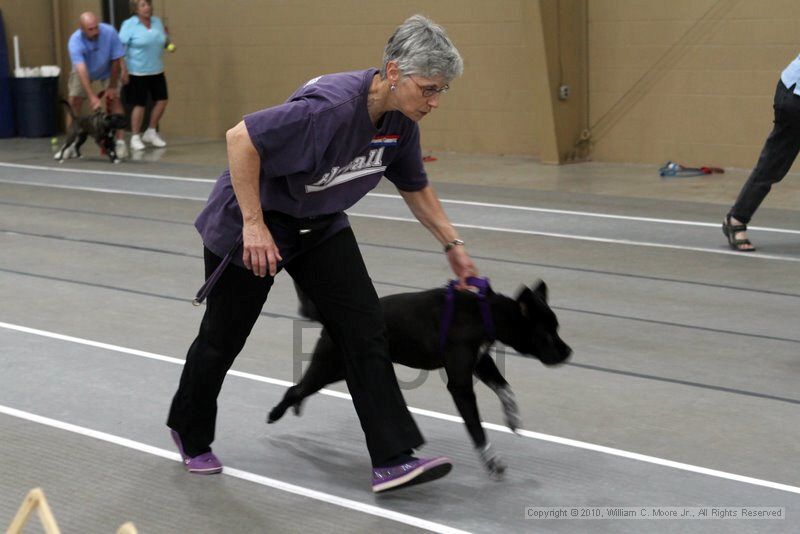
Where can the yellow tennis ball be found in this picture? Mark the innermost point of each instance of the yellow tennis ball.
(170, 47)
(54, 140)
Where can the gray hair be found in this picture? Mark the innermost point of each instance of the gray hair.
(421, 47)
(134, 5)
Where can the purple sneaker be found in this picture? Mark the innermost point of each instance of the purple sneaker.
(202, 464)
(413, 472)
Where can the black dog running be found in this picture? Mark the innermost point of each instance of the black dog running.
(414, 321)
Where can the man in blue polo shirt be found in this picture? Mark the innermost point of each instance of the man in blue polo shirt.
(96, 53)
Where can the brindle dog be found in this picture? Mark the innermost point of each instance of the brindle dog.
(99, 125)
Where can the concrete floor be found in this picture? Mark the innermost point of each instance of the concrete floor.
(682, 391)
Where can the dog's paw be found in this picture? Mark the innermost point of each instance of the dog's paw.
(67, 152)
(493, 464)
(510, 408)
(278, 411)
(275, 414)
(297, 409)
(70, 153)
(292, 399)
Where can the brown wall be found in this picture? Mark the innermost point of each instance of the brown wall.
(237, 57)
(564, 25)
(687, 80)
(699, 90)
(32, 21)
(41, 41)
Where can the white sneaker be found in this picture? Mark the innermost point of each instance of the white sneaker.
(136, 143)
(121, 148)
(151, 136)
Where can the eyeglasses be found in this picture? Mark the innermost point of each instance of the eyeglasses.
(430, 90)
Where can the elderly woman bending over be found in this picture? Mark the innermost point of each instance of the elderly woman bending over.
(293, 171)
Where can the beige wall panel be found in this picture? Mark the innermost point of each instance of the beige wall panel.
(763, 9)
(645, 10)
(233, 58)
(727, 82)
(41, 42)
(469, 127)
(564, 32)
(710, 103)
(750, 32)
(32, 22)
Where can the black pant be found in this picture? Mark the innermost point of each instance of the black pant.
(333, 275)
(777, 156)
(140, 87)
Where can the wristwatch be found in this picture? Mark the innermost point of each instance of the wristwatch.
(452, 244)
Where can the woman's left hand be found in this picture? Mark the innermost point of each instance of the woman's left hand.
(461, 264)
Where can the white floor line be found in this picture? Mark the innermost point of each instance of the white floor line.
(238, 473)
(756, 255)
(752, 255)
(591, 214)
(398, 197)
(107, 173)
(101, 190)
(434, 415)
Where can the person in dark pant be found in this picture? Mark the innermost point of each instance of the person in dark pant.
(293, 170)
(144, 38)
(777, 157)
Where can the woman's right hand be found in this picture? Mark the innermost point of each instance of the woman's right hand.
(260, 254)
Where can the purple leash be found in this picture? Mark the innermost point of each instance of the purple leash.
(206, 288)
(481, 284)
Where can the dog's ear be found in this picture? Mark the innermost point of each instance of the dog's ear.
(523, 293)
(524, 298)
(540, 289)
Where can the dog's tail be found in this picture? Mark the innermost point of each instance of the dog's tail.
(69, 109)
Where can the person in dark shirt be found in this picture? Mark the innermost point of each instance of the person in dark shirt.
(293, 170)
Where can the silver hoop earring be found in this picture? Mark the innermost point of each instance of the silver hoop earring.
(392, 87)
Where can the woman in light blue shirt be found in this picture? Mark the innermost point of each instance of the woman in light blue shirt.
(779, 152)
(144, 38)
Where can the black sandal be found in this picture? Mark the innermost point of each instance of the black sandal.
(730, 230)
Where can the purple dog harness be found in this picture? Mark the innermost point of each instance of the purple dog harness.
(482, 287)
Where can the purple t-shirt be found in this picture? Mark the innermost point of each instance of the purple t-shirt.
(320, 154)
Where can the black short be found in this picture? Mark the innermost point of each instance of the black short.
(139, 87)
